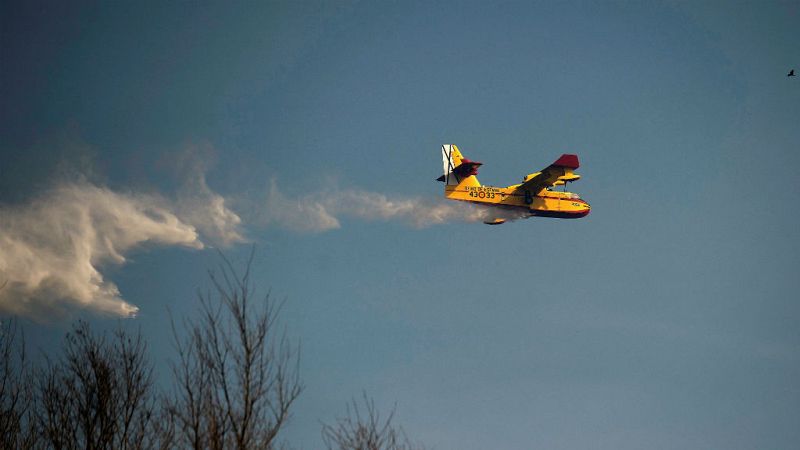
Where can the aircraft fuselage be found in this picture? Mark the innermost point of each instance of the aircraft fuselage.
(547, 203)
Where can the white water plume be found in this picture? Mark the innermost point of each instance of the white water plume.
(323, 210)
(51, 248)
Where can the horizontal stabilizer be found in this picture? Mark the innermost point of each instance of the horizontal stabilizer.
(465, 169)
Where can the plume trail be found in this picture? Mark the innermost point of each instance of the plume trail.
(322, 211)
(51, 247)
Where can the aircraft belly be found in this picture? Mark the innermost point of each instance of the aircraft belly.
(560, 214)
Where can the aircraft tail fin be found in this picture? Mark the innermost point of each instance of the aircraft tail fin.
(458, 171)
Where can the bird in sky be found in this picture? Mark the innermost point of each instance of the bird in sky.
(791, 73)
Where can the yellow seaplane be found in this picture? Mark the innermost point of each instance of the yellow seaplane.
(533, 197)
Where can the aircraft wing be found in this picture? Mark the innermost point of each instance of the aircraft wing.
(555, 174)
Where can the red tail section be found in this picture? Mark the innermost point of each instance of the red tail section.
(567, 160)
(465, 169)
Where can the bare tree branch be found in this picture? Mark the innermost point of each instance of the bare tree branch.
(99, 394)
(17, 429)
(237, 374)
(356, 431)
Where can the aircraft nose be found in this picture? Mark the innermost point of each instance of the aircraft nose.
(586, 211)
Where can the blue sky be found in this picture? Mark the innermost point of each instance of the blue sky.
(667, 318)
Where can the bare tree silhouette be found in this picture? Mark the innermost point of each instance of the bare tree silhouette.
(237, 374)
(17, 429)
(236, 377)
(99, 394)
(365, 432)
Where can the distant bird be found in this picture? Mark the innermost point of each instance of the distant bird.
(791, 73)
